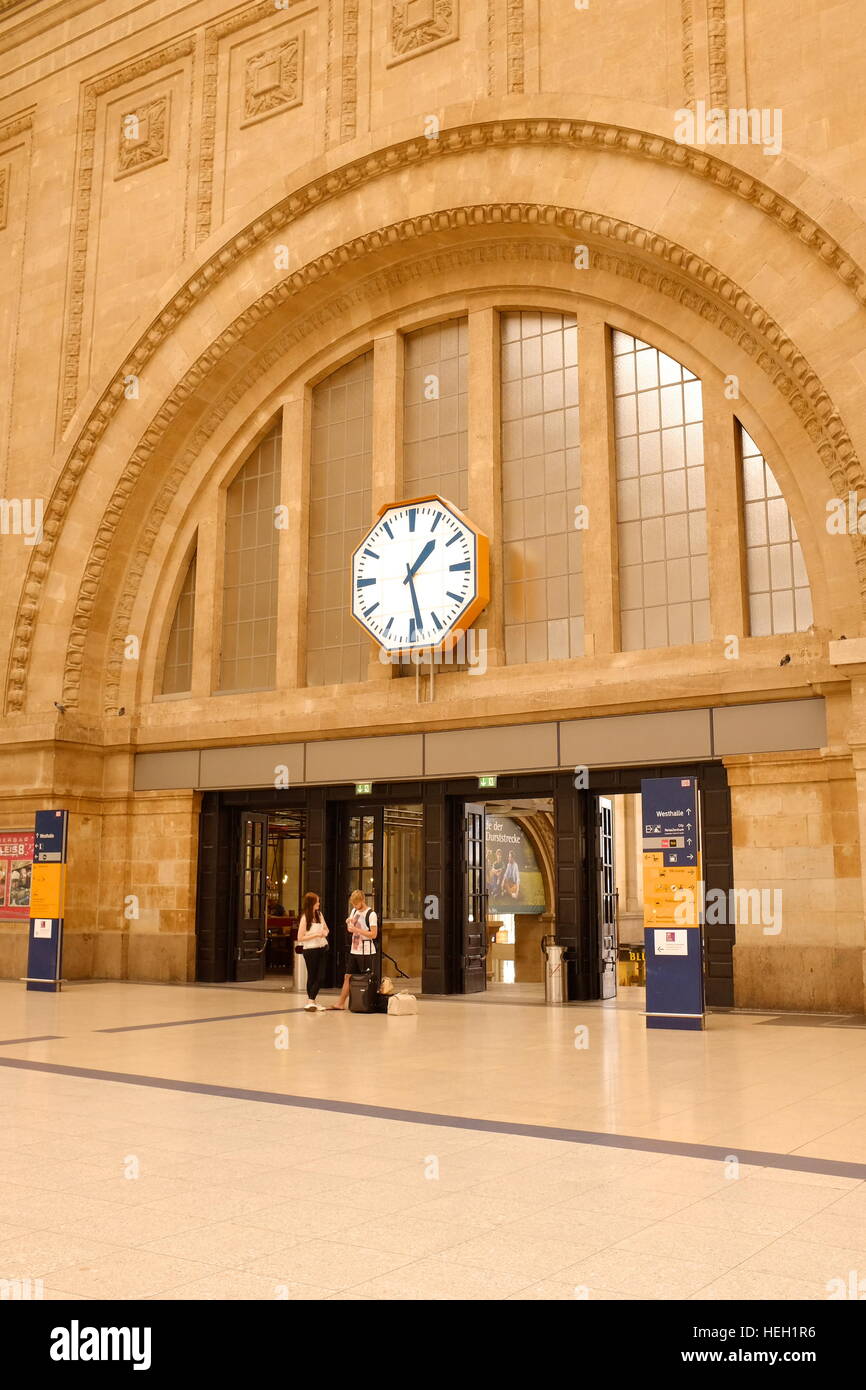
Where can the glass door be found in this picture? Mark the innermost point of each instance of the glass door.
(251, 938)
(360, 867)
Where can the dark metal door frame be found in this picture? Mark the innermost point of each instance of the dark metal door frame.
(473, 900)
(606, 895)
(443, 818)
(251, 898)
(353, 872)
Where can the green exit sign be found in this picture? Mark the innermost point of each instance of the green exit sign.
(363, 788)
(486, 782)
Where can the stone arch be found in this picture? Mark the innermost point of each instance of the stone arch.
(653, 260)
(551, 253)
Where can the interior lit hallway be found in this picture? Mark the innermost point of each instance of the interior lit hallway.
(472, 1151)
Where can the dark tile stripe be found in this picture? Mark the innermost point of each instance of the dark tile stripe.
(44, 1037)
(185, 1022)
(791, 1162)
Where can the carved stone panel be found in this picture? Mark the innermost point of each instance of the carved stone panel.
(143, 136)
(274, 80)
(417, 26)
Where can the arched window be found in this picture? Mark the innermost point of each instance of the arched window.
(661, 511)
(780, 599)
(635, 573)
(177, 668)
(249, 612)
(340, 492)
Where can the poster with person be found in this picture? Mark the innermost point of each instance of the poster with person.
(514, 881)
(16, 868)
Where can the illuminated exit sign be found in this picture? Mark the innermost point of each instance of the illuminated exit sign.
(363, 788)
(485, 783)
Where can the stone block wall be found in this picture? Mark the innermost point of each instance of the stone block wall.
(796, 840)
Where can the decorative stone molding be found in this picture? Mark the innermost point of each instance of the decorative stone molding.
(274, 80)
(836, 449)
(213, 37)
(143, 136)
(688, 45)
(717, 36)
(677, 280)
(142, 67)
(349, 72)
(515, 67)
(18, 125)
(5, 173)
(419, 26)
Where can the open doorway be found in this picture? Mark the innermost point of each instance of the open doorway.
(519, 852)
(284, 886)
(627, 882)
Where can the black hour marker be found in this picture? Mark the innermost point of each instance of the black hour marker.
(436, 621)
(458, 537)
(386, 527)
(411, 518)
(388, 628)
(458, 597)
(438, 518)
(411, 629)
(363, 583)
(464, 565)
(372, 554)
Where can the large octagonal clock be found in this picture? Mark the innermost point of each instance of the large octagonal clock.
(420, 576)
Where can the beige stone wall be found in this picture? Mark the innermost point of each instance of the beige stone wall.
(150, 332)
(796, 832)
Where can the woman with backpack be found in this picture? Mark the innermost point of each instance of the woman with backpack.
(313, 942)
(363, 927)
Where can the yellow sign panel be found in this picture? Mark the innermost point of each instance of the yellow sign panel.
(47, 890)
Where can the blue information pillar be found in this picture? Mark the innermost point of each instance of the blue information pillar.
(673, 902)
(47, 895)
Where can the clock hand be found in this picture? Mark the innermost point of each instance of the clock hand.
(408, 580)
(428, 549)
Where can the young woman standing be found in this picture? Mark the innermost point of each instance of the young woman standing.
(313, 937)
(363, 926)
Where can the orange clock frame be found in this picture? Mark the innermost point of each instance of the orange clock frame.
(482, 565)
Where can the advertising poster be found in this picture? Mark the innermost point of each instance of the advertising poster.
(514, 882)
(16, 867)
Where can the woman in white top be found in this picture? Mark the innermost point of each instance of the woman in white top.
(363, 925)
(313, 937)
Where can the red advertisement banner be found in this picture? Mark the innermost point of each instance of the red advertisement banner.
(16, 865)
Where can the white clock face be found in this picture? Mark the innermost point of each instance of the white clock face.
(415, 575)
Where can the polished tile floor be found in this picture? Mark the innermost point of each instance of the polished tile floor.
(177, 1142)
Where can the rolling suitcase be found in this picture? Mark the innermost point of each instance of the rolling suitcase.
(362, 994)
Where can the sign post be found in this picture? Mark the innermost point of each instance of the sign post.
(672, 883)
(47, 898)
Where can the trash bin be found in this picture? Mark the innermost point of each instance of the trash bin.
(555, 991)
(299, 976)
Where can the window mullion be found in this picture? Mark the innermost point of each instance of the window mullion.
(208, 585)
(600, 553)
(485, 464)
(726, 555)
(293, 543)
(387, 466)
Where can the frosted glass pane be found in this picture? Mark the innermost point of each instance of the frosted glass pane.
(774, 559)
(671, 502)
(337, 649)
(543, 592)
